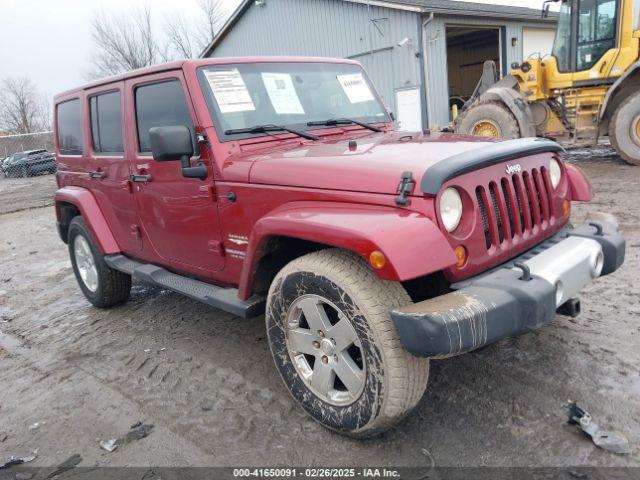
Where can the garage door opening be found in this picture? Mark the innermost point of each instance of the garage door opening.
(467, 50)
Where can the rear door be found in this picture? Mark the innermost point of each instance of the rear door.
(178, 216)
(109, 170)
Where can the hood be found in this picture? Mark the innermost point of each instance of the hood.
(375, 165)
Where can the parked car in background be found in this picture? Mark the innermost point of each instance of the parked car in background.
(29, 163)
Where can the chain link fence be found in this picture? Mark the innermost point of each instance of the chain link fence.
(27, 155)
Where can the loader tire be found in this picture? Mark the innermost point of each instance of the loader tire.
(489, 119)
(624, 130)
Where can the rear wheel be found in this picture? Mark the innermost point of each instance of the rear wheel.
(490, 119)
(336, 347)
(102, 285)
(624, 130)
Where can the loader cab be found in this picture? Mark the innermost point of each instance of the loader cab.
(587, 30)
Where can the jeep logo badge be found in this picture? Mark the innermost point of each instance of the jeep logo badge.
(514, 169)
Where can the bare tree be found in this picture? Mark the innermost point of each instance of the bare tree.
(23, 109)
(127, 42)
(189, 39)
(124, 42)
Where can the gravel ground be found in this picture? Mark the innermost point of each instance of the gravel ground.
(23, 193)
(205, 378)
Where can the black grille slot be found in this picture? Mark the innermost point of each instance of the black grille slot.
(535, 180)
(546, 184)
(496, 209)
(510, 208)
(483, 215)
(519, 192)
(533, 209)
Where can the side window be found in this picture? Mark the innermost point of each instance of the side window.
(106, 123)
(160, 105)
(596, 31)
(69, 127)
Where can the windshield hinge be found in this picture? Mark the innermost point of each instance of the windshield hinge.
(405, 188)
(202, 138)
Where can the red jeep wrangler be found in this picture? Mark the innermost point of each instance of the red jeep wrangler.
(280, 185)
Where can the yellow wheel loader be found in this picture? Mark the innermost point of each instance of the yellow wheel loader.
(589, 87)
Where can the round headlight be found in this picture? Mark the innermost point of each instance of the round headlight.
(555, 172)
(450, 209)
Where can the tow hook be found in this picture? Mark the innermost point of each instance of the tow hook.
(598, 227)
(526, 271)
(405, 188)
(608, 440)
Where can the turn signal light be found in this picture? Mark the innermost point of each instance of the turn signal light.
(566, 208)
(377, 259)
(461, 255)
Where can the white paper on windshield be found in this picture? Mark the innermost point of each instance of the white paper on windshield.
(282, 93)
(356, 88)
(230, 90)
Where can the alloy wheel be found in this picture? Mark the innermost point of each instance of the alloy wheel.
(325, 350)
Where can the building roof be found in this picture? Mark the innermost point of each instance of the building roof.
(451, 7)
(447, 7)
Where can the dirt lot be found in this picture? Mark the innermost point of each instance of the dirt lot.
(205, 379)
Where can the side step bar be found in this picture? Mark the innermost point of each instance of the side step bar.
(223, 298)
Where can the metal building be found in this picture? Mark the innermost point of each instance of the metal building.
(423, 55)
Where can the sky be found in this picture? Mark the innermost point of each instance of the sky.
(49, 41)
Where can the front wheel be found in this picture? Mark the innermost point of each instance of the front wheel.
(102, 285)
(336, 347)
(624, 130)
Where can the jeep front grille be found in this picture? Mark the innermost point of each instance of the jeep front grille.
(516, 205)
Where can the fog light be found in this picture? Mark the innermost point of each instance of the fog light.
(461, 255)
(377, 259)
(566, 208)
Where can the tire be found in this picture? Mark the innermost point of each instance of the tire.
(105, 287)
(500, 123)
(391, 380)
(624, 129)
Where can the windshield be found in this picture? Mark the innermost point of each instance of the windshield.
(562, 42)
(243, 96)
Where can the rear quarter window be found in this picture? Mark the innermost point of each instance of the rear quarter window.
(69, 127)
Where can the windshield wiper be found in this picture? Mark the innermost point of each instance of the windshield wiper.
(272, 128)
(344, 121)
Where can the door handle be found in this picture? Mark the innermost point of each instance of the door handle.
(140, 178)
(97, 174)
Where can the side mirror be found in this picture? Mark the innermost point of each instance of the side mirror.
(175, 143)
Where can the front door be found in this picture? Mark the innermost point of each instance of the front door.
(178, 216)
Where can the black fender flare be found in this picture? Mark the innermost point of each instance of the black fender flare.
(516, 103)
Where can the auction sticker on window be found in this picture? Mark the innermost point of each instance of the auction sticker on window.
(282, 93)
(230, 90)
(356, 88)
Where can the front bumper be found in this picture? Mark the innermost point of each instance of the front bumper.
(517, 297)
